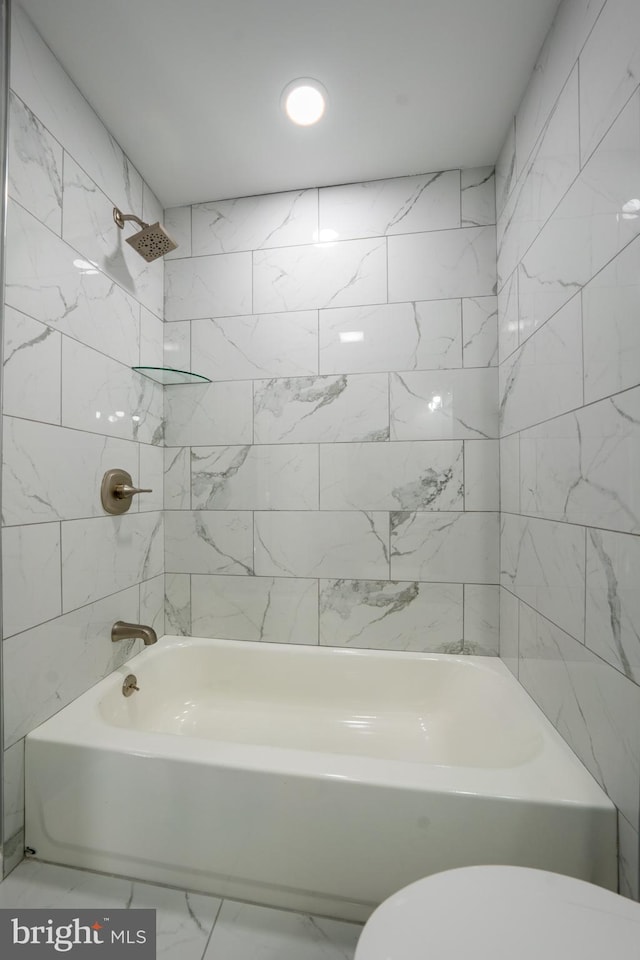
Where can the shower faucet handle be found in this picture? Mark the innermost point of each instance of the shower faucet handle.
(122, 490)
(117, 491)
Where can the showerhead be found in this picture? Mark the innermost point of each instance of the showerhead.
(151, 242)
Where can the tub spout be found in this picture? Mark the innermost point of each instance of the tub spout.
(131, 631)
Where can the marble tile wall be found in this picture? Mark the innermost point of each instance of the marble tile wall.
(568, 183)
(337, 482)
(81, 308)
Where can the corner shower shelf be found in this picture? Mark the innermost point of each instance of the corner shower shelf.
(169, 376)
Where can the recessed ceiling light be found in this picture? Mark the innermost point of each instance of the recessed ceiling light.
(304, 101)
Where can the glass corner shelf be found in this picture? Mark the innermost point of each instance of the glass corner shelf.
(168, 376)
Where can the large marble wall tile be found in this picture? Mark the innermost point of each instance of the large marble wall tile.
(397, 336)
(587, 228)
(444, 547)
(571, 27)
(177, 222)
(50, 473)
(505, 169)
(628, 859)
(213, 413)
(613, 602)
(329, 409)
(444, 405)
(478, 197)
(609, 70)
(543, 563)
(151, 339)
(48, 667)
(583, 467)
(510, 474)
(266, 477)
(610, 311)
(508, 323)
(481, 619)
(31, 368)
(323, 544)
(509, 630)
(35, 166)
(103, 396)
(49, 281)
(215, 286)
(442, 264)
(152, 603)
(480, 332)
(276, 609)
(255, 223)
(209, 542)
(177, 604)
(102, 556)
(392, 476)
(319, 275)
(13, 789)
(385, 207)
(31, 576)
(481, 475)
(177, 346)
(549, 172)
(39, 80)
(150, 475)
(544, 377)
(593, 707)
(243, 348)
(388, 615)
(177, 478)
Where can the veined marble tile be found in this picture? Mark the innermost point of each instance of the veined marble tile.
(628, 856)
(544, 377)
(177, 222)
(88, 226)
(593, 707)
(31, 368)
(571, 27)
(583, 467)
(387, 615)
(509, 630)
(103, 396)
(613, 603)
(510, 474)
(151, 339)
(329, 409)
(152, 603)
(320, 275)
(481, 619)
(212, 413)
(425, 475)
(31, 578)
(481, 475)
(508, 322)
(609, 70)
(103, 555)
(505, 169)
(444, 547)
(13, 789)
(48, 667)
(446, 263)
(177, 604)
(266, 477)
(215, 286)
(151, 477)
(444, 405)
(39, 80)
(255, 223)
(270, 345)
(49, 281)
(177, 345)
(321, 544)
(543, 563)
(276, 609)
(480, 332)
(209, 542)
(610, 311)
(243, 931)
(50, 473)
(397, 336)
(177, 478)
(478, 196)
(35, 166)
(548, 174)
(385, 207)
(587, 227)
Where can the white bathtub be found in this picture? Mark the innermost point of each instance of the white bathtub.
(311, 778)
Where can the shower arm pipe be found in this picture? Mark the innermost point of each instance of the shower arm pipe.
(120, 218)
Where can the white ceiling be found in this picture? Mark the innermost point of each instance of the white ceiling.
(191, 88)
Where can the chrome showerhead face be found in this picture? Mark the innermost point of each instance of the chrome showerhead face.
(152, 242)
